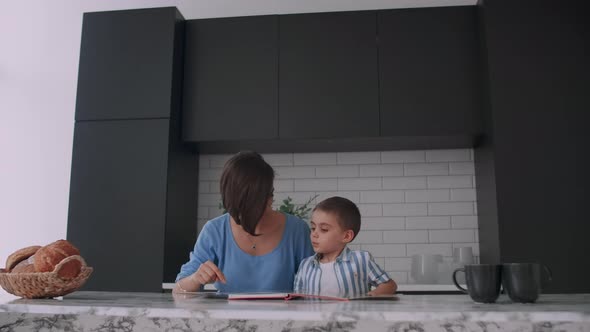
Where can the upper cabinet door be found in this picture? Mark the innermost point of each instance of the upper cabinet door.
(230, 82)
(429, 71)
(126, 64)
(328, 81)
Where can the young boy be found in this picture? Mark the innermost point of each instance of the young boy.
(335, 270)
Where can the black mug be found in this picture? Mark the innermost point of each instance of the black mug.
(522, 281)
(483, 281)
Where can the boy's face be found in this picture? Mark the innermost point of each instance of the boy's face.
(327, 236)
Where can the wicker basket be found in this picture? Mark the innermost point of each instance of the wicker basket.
(44, 284)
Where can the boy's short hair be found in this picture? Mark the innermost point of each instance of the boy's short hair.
(347, 213)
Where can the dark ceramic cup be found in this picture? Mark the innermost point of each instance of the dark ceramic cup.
(522, 281)
(483, 281)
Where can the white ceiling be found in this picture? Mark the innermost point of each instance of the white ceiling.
(193, 9)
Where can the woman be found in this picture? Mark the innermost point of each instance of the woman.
(252, 248)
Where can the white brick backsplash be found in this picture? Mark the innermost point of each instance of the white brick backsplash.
(203, 212)
(204, 161)
(444, 249)
(426, 169)
(397, 264)
(411, 202)
(379, 260)
(449, 209)
(465, 168)
(203, 187)
(370, 210)
(209, 199)
(341, 171)
(283, 185)
(381, 170)
(463, 194)
(218, 160)
(405, 236)
(398, 277)
(450, 236)
(388, 157)
(354, 246)
(441, 222)
(359, 158)
(351, 195)
(448, 155)
(213, 174)
(456, 181)
(474, 246)
(278, 159)
(385, 250)
(369, 237)
(296, 197)
(382, 196)
(408, 209)
(430, 195)
(464, 221)
(294, 172)
(382, 223)
(412, 182)
(315, 184)
(359, 184)
(315, 159)
(215, 211)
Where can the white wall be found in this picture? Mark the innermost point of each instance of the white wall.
(39, 51)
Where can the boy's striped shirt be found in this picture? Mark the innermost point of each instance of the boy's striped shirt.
(355, 270)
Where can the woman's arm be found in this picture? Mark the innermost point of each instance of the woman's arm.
(207, 273)
(386, 288)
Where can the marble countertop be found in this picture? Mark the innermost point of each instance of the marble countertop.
(550, 307)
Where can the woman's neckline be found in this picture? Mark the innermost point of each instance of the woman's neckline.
(279, 244)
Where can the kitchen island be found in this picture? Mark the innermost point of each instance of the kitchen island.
(114, 311)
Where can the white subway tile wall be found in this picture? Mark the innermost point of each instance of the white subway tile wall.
(411, 202)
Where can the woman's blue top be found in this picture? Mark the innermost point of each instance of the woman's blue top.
(273, 272)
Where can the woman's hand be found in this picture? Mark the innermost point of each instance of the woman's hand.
(207, 273)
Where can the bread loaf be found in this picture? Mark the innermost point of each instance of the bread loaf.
(19, 256)
(49, 256)
(25, 266)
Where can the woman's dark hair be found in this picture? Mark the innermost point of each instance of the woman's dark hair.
(347, 213)
(246, 185)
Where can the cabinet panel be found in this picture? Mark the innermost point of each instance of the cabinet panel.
(230, 83)
(117, 208)
(328, 81)
(126, 64)
(429, 68)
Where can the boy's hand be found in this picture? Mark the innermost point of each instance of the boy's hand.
(386, 288)
(207, 273)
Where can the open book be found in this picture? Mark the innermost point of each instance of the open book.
(292, 296)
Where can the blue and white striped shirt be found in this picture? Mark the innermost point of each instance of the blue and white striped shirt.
(355, 270)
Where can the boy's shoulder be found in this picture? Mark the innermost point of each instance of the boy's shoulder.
(363, 254)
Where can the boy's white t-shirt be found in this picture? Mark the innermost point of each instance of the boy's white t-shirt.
(328, 282)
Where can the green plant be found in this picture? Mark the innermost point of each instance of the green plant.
(287, 206)
(301, 211)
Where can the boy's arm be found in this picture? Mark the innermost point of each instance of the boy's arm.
(384, 285)
(386, 288)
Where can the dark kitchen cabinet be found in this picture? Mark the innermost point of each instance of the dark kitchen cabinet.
(125, 62)
(429, 71)
(531, 170)
(133, 188)
(230, 83)
(328, 81)
(118, 201)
